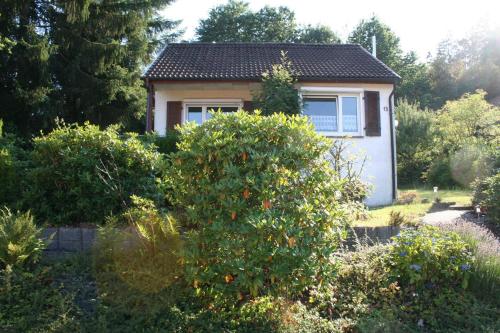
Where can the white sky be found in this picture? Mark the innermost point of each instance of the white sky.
(421, 24)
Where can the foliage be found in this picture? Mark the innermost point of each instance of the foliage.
(319, 34)
(20, 242)
(360, 283)
(485, 273)
(464, 65)
(487, 194)
(12, 168)
(470, 119)
(143, 245)
(414, 142)
(78, 60)
(278, 92)
(430, 258)
(34, 302)
(415, 84)
(407, 197)
(82, 174)
(439, 173)
(236, 22)
(244, 185)
(348, 167)
(167, 144)
(397, 219)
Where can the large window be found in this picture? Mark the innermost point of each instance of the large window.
(199, 112)
(334, 115)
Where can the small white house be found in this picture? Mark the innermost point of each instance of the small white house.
(346, 92)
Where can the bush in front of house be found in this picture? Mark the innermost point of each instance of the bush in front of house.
(487, 194)
(81, 174)
(20, 242)
(430, 258)
(259, 205)
(142, 247)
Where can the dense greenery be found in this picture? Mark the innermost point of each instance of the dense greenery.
(278, 92)
(79, 60)
(259, 202)
(81, 174)
(429, 258)
(20, 242)
(12, 168)
(235, 22)
(450, 147)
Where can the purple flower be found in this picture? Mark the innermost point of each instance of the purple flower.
(403, 254)
(415, 267)
(465, 267)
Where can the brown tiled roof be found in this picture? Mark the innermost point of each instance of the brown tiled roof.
(247, 62)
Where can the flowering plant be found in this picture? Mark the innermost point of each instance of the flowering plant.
(430, 258)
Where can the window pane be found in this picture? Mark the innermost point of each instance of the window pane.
(350, 114)
(323, 113)
(194, 114)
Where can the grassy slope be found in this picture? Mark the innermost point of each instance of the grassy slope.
(379, 216)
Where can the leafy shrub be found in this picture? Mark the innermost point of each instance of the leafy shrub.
(407, 197)
(429, 257)
(12, 169)
(487, 194)
(398, 218)
(259, 202)
(485, 273)
(348, 168)
(414, 142)
(34, 302)
(142, 246)
(82, 174)
(165, 144)
(439, 173)
(278, 93)
(20, 242)
(360, 284)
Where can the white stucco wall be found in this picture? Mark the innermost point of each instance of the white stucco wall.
(377, 149)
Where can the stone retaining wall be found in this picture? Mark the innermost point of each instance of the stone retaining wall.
(64, 239)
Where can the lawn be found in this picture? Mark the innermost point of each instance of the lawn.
(379, 216)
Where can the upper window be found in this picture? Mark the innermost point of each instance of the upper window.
(334, 115)
(200, 112)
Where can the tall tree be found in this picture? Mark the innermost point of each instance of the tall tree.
(319, 34)
(236, 22)
(102, 47)
(76, 59)
(25, 82)
(415, 84)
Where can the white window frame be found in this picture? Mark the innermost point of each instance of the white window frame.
(338, 94)
(205, 103)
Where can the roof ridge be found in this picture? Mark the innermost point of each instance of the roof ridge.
(264, 43)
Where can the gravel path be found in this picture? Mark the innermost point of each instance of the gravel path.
(446, 216)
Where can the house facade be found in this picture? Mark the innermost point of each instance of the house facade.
(346, 92)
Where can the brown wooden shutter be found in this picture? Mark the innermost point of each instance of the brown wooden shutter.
(248, 106)
(372, 113)
(174, 114)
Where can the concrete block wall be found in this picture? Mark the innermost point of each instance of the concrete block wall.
(64, 239)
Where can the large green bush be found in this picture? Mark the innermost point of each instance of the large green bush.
(431, 258)
(487, 194)
(259, 203)
(82, 174)
(20, 242)
(414, 139)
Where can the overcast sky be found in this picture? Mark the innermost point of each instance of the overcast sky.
(421, 24)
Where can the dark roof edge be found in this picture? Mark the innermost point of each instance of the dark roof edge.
(258, 80)
(380, 62)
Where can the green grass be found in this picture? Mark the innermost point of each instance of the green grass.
(379, 216)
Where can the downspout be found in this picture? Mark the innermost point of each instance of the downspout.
(393, 146)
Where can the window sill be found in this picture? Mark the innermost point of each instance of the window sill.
(341, 135)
